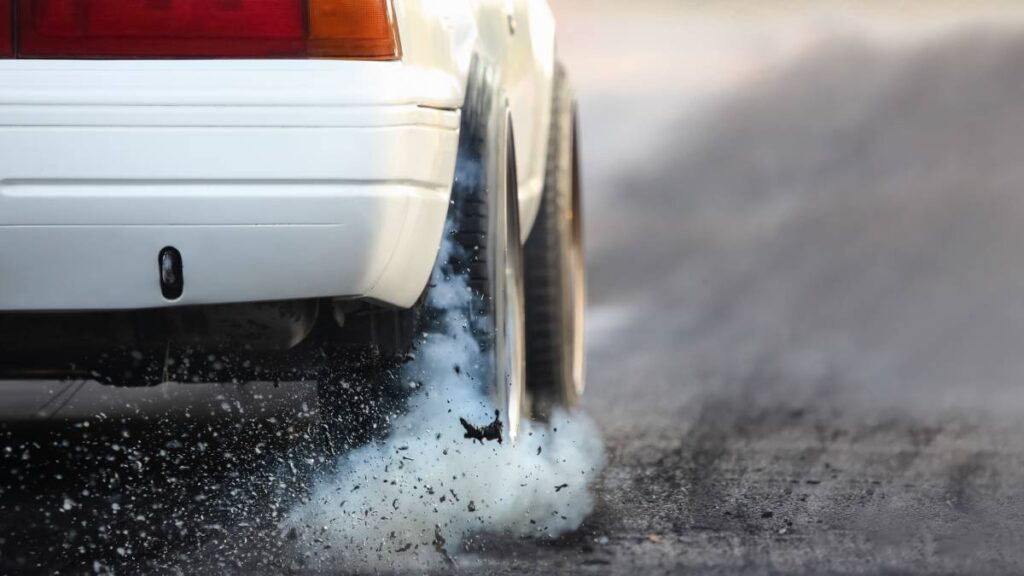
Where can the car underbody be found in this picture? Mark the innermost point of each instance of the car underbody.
(267, 341)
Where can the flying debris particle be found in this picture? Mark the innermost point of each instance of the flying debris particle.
(472, 506)
(561, 487)
(480, 434)
(439, 543)
(539, 450)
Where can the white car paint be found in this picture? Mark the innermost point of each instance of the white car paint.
(276, 179)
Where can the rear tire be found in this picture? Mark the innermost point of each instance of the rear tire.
(555, 276)
(485, 223)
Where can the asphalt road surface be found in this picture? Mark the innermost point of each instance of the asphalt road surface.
(806, 355)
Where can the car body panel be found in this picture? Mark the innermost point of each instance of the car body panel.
(276, 179)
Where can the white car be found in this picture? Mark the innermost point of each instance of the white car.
(210, 191)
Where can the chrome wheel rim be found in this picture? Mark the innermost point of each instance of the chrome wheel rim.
(509, 345)
(577, 274)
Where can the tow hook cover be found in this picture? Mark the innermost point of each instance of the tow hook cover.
(172, 280)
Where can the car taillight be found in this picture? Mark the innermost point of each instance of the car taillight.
(360, 28)
(206, 29)
(6, 29)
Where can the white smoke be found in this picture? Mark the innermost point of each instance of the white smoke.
(414, 498)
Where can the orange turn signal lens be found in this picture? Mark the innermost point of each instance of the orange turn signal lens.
(363, 29)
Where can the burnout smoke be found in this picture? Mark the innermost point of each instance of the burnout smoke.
(417, 495)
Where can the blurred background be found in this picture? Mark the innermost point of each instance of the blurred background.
(806, 247)
(833, 186)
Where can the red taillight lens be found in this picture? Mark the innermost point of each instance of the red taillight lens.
(6, 29)
(206, 29)
(161, 28)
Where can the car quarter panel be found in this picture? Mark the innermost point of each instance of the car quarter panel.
(516, 38)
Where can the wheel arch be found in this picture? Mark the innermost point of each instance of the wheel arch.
(516, 38)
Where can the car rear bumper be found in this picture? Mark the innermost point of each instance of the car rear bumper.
(268, 193)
